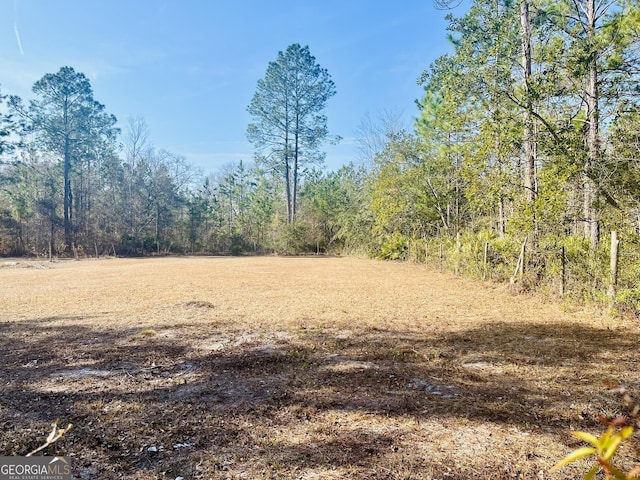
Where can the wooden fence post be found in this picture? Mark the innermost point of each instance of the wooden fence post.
(563, 271)
(485, 261)
(426, 249)
(458, 252)
(520, 264)
(614, 264)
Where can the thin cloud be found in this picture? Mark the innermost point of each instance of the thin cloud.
(15, 29)
(15, 26)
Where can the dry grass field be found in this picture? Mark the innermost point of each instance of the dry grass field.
(299, 368)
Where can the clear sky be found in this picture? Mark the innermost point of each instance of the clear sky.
(190, 67)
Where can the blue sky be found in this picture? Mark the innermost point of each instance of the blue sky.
(190, 67)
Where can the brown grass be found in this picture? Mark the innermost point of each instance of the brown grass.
(298, 368)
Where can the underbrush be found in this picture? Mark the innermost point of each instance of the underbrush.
(558, 266)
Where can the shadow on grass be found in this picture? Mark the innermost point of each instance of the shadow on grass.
(207, 412)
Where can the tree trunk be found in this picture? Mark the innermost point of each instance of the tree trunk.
(591, 99)
(52, 233)
(67, 200)
(502, 221)
(528, 133)
(296, 153)
(294, 196)
(158, 231)
(287, 178)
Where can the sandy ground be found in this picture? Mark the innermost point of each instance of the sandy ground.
(299, 368)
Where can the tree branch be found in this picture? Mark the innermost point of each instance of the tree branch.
(55, 435)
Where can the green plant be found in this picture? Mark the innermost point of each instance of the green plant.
(605, 447)
(394, 247)
(628, 300)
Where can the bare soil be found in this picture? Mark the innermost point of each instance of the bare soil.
(299, 368)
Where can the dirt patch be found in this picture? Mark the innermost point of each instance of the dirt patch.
(199, 304)
(299, 368)
(24, 264)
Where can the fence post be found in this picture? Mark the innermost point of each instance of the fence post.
(563, 271)
(458, 252)
(614, 264)
(520, 263)
(485, 261)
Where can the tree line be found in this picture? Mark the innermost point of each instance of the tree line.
(72, 183)
(528, 133)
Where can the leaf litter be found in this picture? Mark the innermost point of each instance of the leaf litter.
(299, 368)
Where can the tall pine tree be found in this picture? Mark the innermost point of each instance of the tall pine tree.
(288, 125)
(68, 123)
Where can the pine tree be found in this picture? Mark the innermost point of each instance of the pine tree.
(288, 126)
(70, 124)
